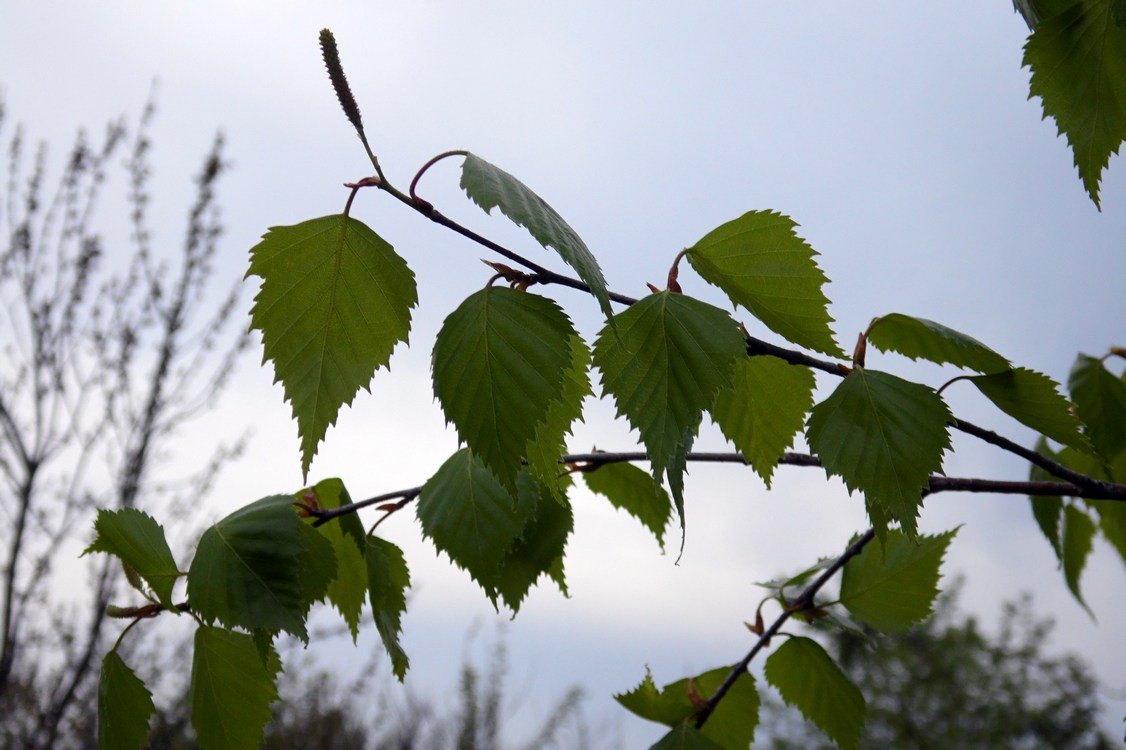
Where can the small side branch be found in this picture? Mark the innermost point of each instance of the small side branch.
(804, 601)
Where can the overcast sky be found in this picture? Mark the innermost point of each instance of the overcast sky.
(899, 135)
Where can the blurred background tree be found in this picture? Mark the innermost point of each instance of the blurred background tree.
(947, 684)
(109, 344)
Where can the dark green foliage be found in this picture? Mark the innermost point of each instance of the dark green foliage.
(952, 683)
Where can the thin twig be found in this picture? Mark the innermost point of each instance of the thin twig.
(804, 601)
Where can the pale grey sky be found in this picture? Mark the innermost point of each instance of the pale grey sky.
(898, 135)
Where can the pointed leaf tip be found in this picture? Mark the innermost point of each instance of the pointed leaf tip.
(335, 301)
(764, 266)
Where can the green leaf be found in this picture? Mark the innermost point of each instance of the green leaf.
(763, 265)
(540, 546)
(921, 338)
(490, 187)
(893, 587)
(731, 725)
(1112, 522)
(1032, 399)
(669, 358)
(388, 581)
(1047, 510)
(334, 302)
(317, 565)
(138, 541)
(545, 450)
(231, 690)
(782, 583)
(246, 571)
(884, 436)
(631, 489)
(348, 588)
(809, 679)
(1078, 62)
(471, 517)
(124, 706)
(764, 409)
(500, 361)
(1100, 400)
(1078, 536)
(685, 738)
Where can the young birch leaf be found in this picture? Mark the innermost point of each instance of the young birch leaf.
(764, 409)
(1100, 400)
(1078, 536)
(685, 738)
(631, 489)
(731, 725)
(544, 451)
(809, 679)
(1032, 399)
(540, 546)
(247, 571)
(1078, 63)
(334, 302)
(471, 517)
(348, 588)
(1048, 511)
(921, 338)
(500, 362)
(138, 541)
(894, 586)
(124, 706)
(231, 690)
(490, 187)
(763, 265)
(388, 580)
(669, 358)
(317, 563)
(884, 436)
(1112, 522)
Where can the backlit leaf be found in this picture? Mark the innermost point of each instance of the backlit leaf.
(231, 690)
(540, 546)
(1112, 522)
(348, 588)
(1032, 399)
(763, 265)
(884, 436)
(669, 358)
(685, 738)
(334, 302)
(809, 679)
(919, 338)
(124, 706)
(731, 725)
(317, 565)
(1047, 510)
(499, 363)
(764, 409)
(544, 451)
(893, 582)
(1078, 62)
(388, 580)
(636, 492)
(246, 571)
(471, 517)
(490, 187)
(138, 541)
(1078, 537)
(1100, 400)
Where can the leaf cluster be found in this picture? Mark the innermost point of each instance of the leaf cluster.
(512, 372)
